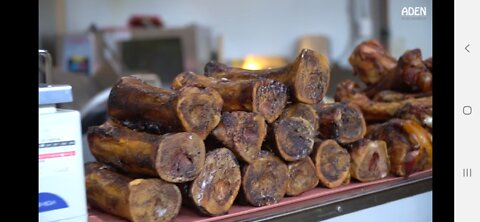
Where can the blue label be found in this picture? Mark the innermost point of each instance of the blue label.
(50, 201)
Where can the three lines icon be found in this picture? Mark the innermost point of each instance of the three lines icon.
(467, 172)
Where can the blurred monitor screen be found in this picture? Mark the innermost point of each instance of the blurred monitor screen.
(162, 56)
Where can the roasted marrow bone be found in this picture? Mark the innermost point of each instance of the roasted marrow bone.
(156, 110)
(308, 76)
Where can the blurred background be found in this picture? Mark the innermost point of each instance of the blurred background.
(94, 42)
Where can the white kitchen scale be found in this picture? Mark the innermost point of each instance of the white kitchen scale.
(61, 191)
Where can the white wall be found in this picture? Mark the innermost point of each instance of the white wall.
(408, 33)
(269, 27)
(46, 20)
(416, 208)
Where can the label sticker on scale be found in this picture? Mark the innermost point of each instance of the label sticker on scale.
(56, 157)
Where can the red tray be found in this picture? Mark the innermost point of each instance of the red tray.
(238, 211)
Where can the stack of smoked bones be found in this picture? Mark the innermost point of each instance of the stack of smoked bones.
(253, 137)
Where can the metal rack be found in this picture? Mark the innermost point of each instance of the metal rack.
(347, 202)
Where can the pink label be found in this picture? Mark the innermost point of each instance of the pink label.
(56, 155)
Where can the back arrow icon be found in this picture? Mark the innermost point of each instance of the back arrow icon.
(466, 48)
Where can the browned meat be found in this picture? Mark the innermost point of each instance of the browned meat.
(410, 75)
(217, 186)
(342, 122)
(371, 62)
(348, 91)
(265, 180)
(308, 76)
(135, 200)
(156, 110)
(154, 200)
(176, 157)
(420, 113)
(332, 163)
(264, 96)
(293, 138)
(304, 111)
(394, 96)
(302, 176)
(409, 145)
(243, 133)
(369, 160)
(428, 63)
